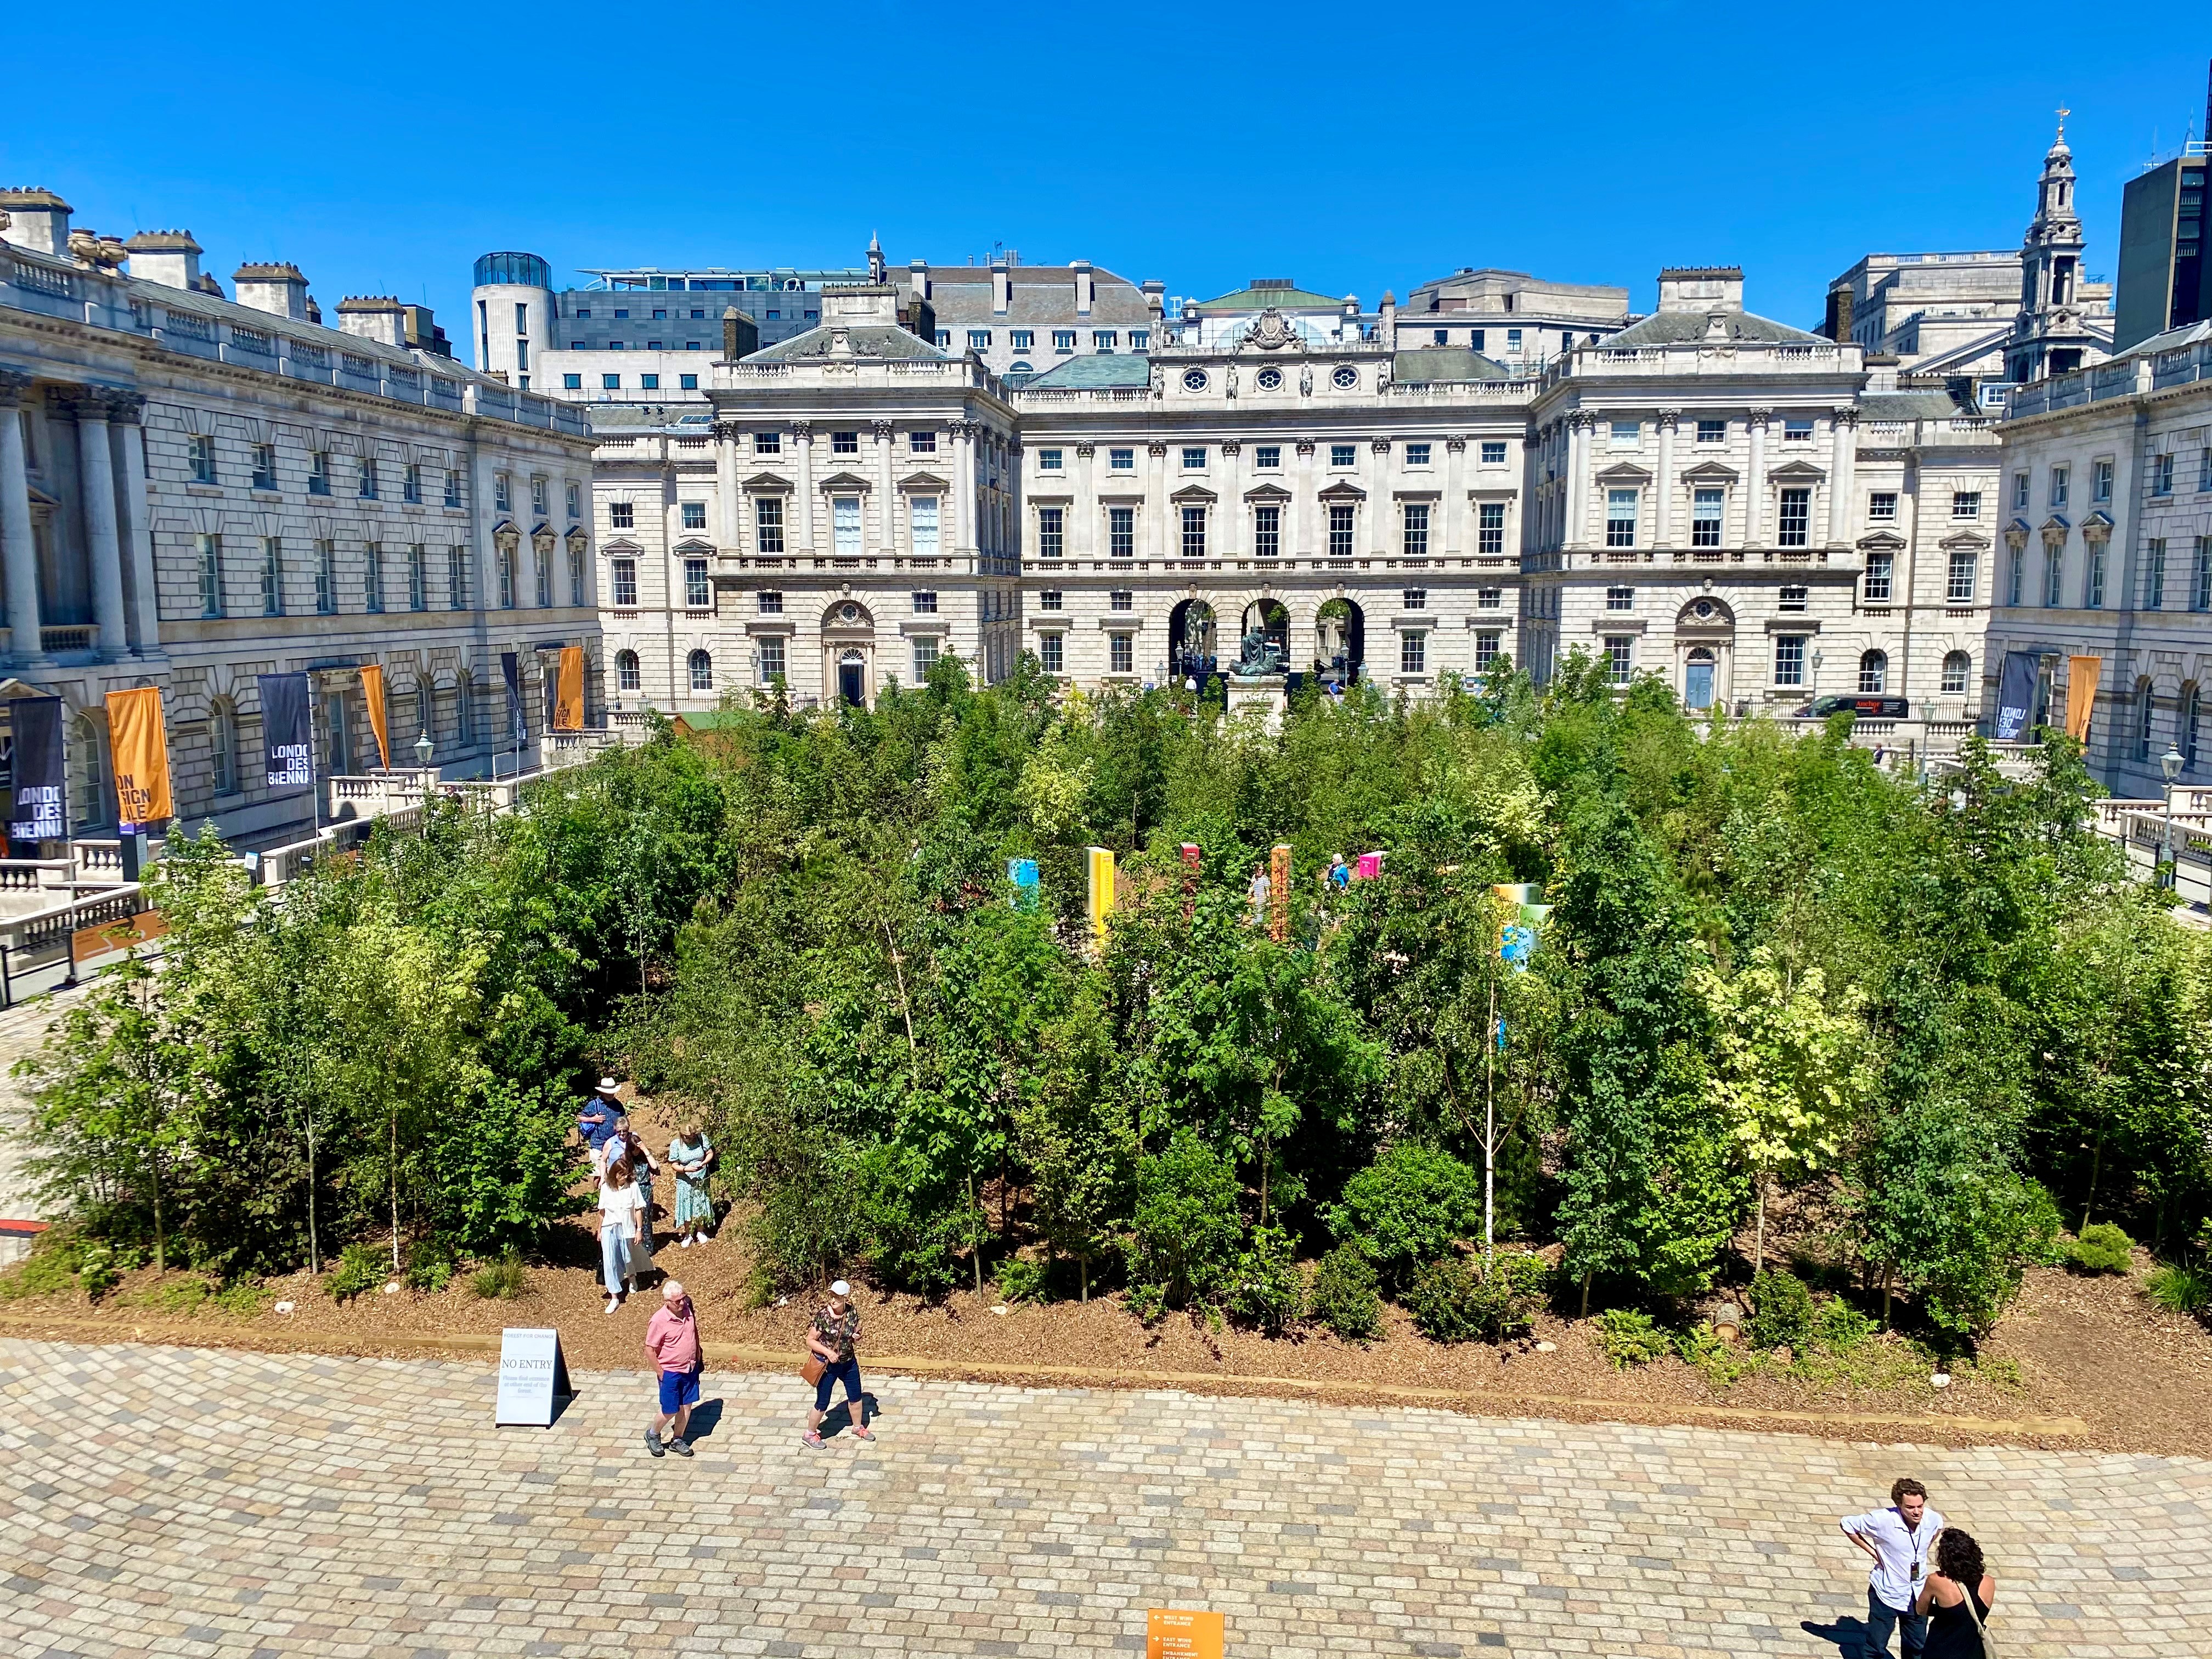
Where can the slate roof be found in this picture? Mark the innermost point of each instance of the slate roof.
(1433, 363)
(1043, 296)
(1911, 406)
(1283, 299)
(1100, 368)
(1680, 327)
(877, 341)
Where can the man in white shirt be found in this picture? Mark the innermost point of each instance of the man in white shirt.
(1900, 1541)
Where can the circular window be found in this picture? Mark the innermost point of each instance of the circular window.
(1271, 379)
(1346, 378)
(1703, 610)
(1194, 380)
(850, 613)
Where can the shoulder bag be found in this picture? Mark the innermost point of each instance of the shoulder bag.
(813, 1369)
(1989, 1647)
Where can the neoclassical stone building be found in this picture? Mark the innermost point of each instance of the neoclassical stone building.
(195, 490)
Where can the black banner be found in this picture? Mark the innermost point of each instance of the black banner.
(38, 811)
(2015, 695)
(511, 671)
(287, 738)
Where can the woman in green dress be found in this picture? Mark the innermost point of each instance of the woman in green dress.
(690, 1155)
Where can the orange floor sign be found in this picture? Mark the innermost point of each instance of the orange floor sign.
(1178, 1633)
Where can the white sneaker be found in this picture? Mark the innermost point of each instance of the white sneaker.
(706, 1238)
(685, 1245)
(613, 1302)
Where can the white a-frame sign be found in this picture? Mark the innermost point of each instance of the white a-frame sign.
(531, 1372)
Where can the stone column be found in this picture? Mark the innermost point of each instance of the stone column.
(1080, 534)
(126, 410)
(1842, 459)
(1381, 530)
(887, 528)
(105, 544)
(1754, 482)
(728, 527)
(1156, 502)
(1578, 443)
(963, 490)
(1302, 506)
(1453, 528)
(18, 552)
(802, 436)
(1235, 536)
(1662, 506)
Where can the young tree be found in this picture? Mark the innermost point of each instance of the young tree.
(1078, 1136)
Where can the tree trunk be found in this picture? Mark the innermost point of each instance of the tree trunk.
(976, 1249)
(161, 1249)
(395, 1190)
(314, 1253)
(1265, 1161)
(1489, 1131)
(1758, 1250)
(1083, 1266)
(2096, 1168)
(1888, 1275)
(1585, 1312)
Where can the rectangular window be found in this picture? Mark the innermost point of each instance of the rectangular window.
(507, 578)
(272, 576)
(2100, 484)
(319, 472)
(1960, 589)
(922, 519)
(1416, 454)
(694, 515)
(1049, 461)
(1343, 454)
(1121, 460)
(1050, 599)
(611, 382)
(1881, 505)
(574, 497)
(499, 493)
(264, 466)
(2019, 488)
(1625, 434)
(572, 383)
(1024, 340)
(1063, 340)
(1966, 503)
(411, 484)
(453, 490)
(418, 578)
(770, 604)
(768, 443)
(1705, 508)
(576, 573)
(373, 577)
(1267, 531)
(625, 575)
(2093, 579)
(2054, 576)
(326, 578)
(1120, 600)
(1339, 531)
(2015, 575)
(2200, 576)
(1269, 458)
(844, 443)
(771, 661)
(768, 525)
(1493, 453)
(979, 339)
(1490, 527)
(1789, 659)
(925, 657)
(202, 455)
(2154, 596)
(698, 589)
(1794, 523)
(2204, 468)
(1413, 652)
(1049, 652)
(1621, 518)
(688, 382)
(2057, 486)
(845, 525)
(1139, 339)
(1194, 532)
(1194, 461)
(1051, 537)
(1513, 339)
(2161, 474)
(1102, 339)
(1712, 432)
(921, 443)
(1120, 652)
(1875, 587)
(1489, 598)
(1416, 530)
(1793, 599)
(623, 515)
(1620, 657)
(457, 578)
(1486, 650)
(1415, 598)
(1621, 598)
(1474, 338)
(1120, 532)
(924, 603)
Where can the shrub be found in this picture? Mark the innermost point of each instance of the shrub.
(1724, 1363)
(1148, 1302)
(1269, 1293)
(2179, 1290)
(1021, 1280)
(1345, 1296)
(1467, 1301)
(2102, 1248)
(504, 1280)
(50, 1269)
(1781, 1311)
(246, 1296)
(1628, 1336)
(1838, 1326)
(1407, 1207)
(430, 1265)
(99, 1269)
(361, 1268)
(1186, 1230)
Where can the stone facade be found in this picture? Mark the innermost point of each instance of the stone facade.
(2107, 528)
(194, 491)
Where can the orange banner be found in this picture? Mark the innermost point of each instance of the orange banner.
(568, 690)
(140, 749)
(2082, 695)
(372, 693)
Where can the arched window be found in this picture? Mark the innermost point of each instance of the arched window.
(223, 743)
(1874, 672)
(702, 672)
(1957, 667)
(626, 676)
(2146, 711)
(464, 712)
(91, 796)
(2192, 707)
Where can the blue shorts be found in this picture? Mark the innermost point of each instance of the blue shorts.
(678, 1391)
(847, 1371)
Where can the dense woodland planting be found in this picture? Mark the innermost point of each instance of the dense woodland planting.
(1784, 1003)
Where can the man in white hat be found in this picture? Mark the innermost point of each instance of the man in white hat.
(601, 1116)
(831, 1338)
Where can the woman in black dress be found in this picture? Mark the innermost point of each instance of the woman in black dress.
(1955, 1626)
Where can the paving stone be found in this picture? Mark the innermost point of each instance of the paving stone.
(995, 1521)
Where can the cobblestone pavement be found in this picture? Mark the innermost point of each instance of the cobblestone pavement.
(185, 1503)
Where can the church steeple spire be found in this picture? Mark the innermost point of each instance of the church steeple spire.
(2048, 335)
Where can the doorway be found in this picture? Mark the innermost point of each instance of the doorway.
(1697, 680)
(852, 679)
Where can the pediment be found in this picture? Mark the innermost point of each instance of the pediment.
(848, 481)
(1266, 492)
(1625, 472)
(1796, 472)
(762, 483)
(621, 547)
(1708, 472)
(1882, 541)
(1964, 538)
(1194, 493)
(923, 482)
(1342, 491)
(693, 545)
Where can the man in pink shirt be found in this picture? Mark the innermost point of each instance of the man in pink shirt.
(672, 1340)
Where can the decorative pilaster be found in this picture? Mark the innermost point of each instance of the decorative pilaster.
(18, 552)
(728, 527)
(1842, 460)
(886, 531)
(96, 485)
(802, 438)
(1662, 507)
(127, 409)
(1578, 442)
(1754, 483)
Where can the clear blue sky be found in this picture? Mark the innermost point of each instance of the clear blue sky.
(1351, 150)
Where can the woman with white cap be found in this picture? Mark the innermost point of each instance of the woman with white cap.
(831, 1337)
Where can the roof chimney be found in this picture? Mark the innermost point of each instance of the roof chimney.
(37, 219)
(1155, 299)
(1087, 286)
(1701, 288)
(1387, 327)
(170, 257)
(740, 335)
(374, 317)
(1002, 285)
(279, 289)
(917, 277)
